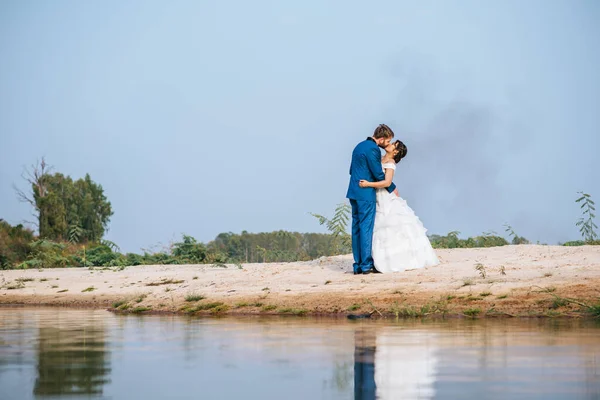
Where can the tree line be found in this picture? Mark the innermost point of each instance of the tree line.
(72, 217)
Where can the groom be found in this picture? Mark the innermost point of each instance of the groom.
(366, 164)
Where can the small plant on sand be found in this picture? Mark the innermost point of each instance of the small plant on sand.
(242, 305)
(502, 296)
(62, 291)
(194, 297)
(90, 289)
(338, 228)
(208, 306)
(558, 302)
(268, 307)
(165, 281)
(547, 275)
(17, 285)
(220, 309)
(141, 298)
(586, 224)
(118, 303)
(502, 270)
(354, 307)
(481, 269)
(485, 294)
(327, 282)
(472, 312)
(467, 282)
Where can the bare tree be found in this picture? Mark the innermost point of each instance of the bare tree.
(34, 178)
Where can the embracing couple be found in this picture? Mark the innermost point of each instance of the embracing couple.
(387, 236)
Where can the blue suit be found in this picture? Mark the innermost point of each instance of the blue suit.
(366, 164)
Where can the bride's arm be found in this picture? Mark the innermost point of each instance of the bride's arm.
(389, 175)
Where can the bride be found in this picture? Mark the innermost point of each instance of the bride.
(399, 238)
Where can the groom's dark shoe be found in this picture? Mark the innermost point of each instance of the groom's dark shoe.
(358, 272)
(371, 271)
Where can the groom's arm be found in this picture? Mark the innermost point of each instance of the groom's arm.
(374, 163)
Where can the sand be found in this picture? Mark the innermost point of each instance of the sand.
(524, 280)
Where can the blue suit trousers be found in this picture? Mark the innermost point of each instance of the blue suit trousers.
(363, 220)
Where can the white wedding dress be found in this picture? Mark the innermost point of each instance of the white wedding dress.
(400, 240)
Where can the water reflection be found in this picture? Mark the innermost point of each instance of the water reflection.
(364, 364)
(84, 353)
(71, 361)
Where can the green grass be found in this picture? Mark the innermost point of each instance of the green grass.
(354, 307)
(90, 289)
(485, 294)
(118, 304)
(23, 280)
(268, 307)
(242, 305)
(43, 279)
(219, 309)
(558, 302)
(194, 297)
(62, 291)
(472, 312)
(502, 296)
(141, 298)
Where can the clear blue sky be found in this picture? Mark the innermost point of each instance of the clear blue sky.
(205, 117)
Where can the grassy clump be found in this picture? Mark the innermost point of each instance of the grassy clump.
(118, 303)
(293, 311)
(194, 297)
(165, 281)
(472, 312)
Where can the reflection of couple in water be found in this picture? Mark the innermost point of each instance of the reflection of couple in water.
(392, 366)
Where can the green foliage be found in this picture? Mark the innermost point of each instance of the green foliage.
(47, 254)
(574, 243)
(338, 228)
(586, 224)
(76, 211)
(189, 251)
(15, 244)
(452, 241)
(99, 256)
(516, 239)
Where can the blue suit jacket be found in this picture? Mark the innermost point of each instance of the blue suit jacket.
(366, 164)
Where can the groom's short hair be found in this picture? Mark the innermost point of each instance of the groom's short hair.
(383, 131)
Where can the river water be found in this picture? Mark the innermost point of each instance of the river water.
(73, 353)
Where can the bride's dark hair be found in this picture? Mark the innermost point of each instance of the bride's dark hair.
(402, 151)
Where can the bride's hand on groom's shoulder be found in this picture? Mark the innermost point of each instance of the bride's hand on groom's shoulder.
(363, 184)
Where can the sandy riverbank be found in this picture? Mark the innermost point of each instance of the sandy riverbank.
(533, 277)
